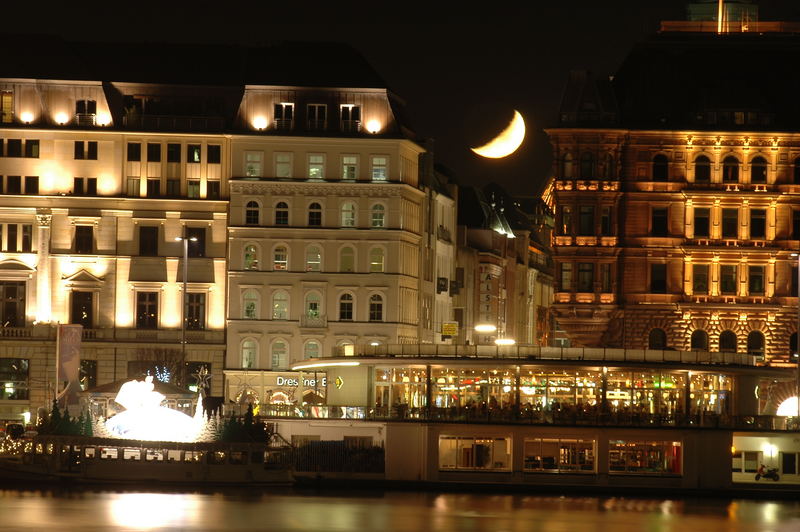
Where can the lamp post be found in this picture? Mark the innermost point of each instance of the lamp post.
(183, 295)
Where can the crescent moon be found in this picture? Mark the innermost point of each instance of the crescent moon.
(506, 142)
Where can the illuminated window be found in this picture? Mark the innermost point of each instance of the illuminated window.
(458, 452)
(14, 374)
(250, 304)
(317, 114)
(6, 107)
(730, 169)
(281, 213)
(313, 305)
(587, 165)
(660, 168)
(702, 169)
(280, 305)
(350, 118)
(346, 260)
(346, 307)
(280, 354)
(350, 167)
(375, 307)
(284, 115)
(758, 170)
(280, 258)
(755, 280)
(88, 374)
(566, 276)
(249, 354)
(727, 342)
(313, 259)
(193, 188)
(315, 215)
(253, 163)
(283, 165)
(316, 166)
(194, 153)
(252, 213)
(699, 341)
(559, 455)
(727, 279)
(250, 257)
(700, 279)
(657, 339)
(634, 457)
(376, 260)
(348, 212)
(730, 223)
(566, 220)
(378, 216)
(658, 278)
(311, 349)
(379, 168)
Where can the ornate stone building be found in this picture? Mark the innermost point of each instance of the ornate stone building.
(678, 198)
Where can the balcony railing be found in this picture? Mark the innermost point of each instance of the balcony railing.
(314, 322)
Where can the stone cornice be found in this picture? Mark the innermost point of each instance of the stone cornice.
(341, 189)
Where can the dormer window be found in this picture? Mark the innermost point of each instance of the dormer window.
(350, 118)
(284, 115)
(317, 116)
(85, 112)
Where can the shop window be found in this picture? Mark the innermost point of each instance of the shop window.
(467, 453)
(559, 455)
(645, 457)
(660, 168)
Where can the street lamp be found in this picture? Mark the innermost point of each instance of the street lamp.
(183, 295)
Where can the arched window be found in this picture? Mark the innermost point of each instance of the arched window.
(730, 169)
(349, 214)
(280, 258)
(702, 169)
(346, 307)
(311, 349)
(376, 260)
(755, 344)
(249, 353)
(250, 304)
(282, 213)
(375, 307)
(611, 167)
(587, 165)
(315, 215)
(252, 213)
(727, 342)
(250, 257)
(566, 166)
(699, 340)
(797, 171)
(660, 168)
(280, 305)
(657, 339)
(758, 170)
(313, 259)
(280, 354)
(347, 259)
(313, 305)
(378, 217)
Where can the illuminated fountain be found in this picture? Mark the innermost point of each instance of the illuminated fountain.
(145, 419)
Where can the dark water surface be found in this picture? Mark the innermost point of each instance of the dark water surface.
(89, 510)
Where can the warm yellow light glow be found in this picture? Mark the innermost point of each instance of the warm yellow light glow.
(788, 407)
(505, 341)
(148, 511)
(61, 118)
(260, 122)
(373, 126)
(506, 142)
(103, 119)
(326, 365)
(485, 328)
(26, 117)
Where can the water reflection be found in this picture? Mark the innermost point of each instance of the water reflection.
(255, 509)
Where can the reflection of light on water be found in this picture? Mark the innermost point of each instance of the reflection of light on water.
(146, 511)
(769, 511)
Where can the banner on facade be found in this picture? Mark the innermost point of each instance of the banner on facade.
(449, 328)
(68, 362)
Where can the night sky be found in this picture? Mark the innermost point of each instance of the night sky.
(461, 71)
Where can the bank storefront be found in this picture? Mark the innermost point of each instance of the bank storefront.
(258, 388)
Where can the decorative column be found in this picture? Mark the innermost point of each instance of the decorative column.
(43, 299)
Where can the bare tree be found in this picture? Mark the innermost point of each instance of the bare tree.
(163, 363)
